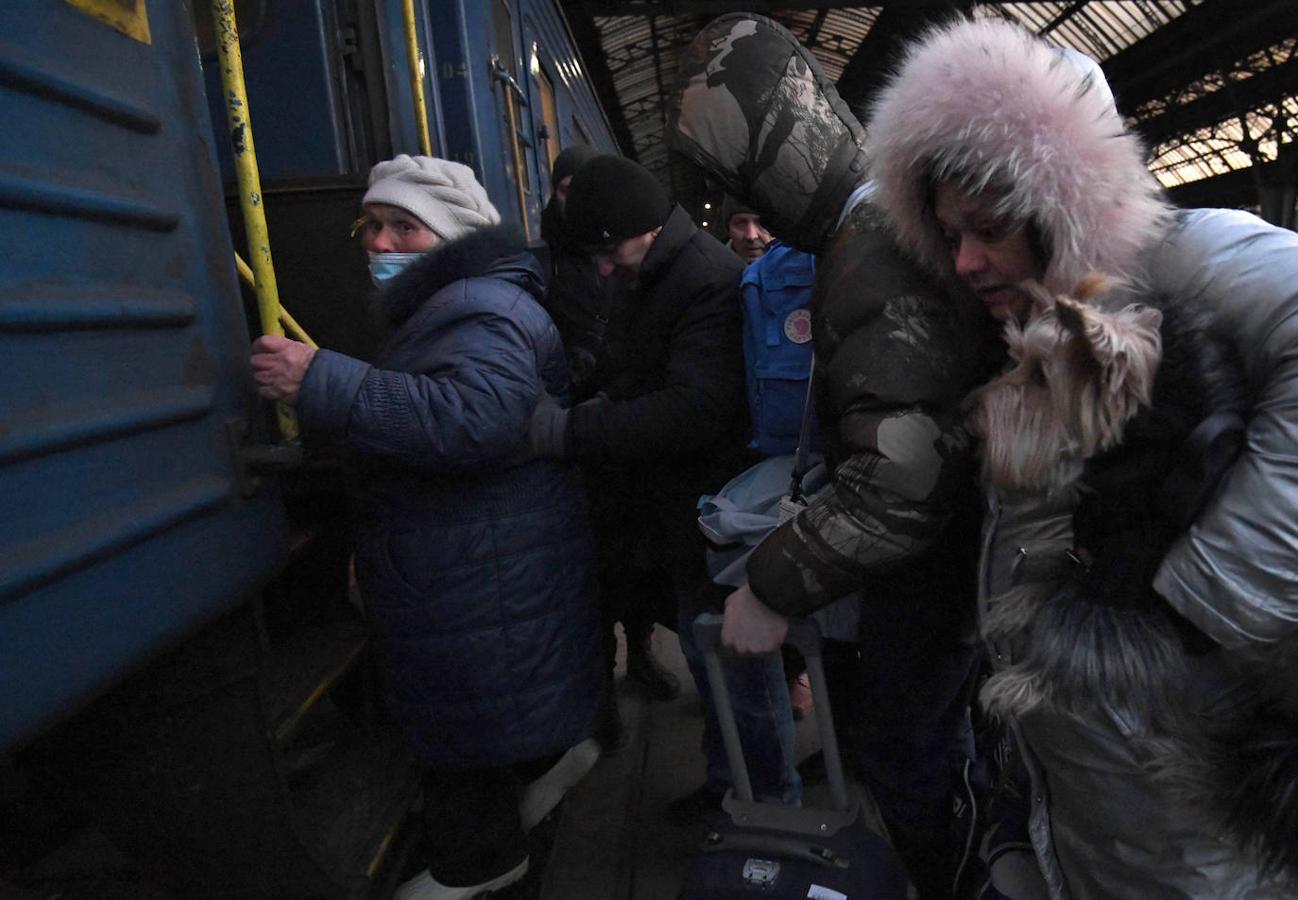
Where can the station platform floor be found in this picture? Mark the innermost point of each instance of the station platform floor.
(611, 839)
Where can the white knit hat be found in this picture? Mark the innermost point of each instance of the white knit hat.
(444, 195)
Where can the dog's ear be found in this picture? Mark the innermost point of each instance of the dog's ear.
(1072, 317)
(1125, 345)
(1071, 309)
(1042, 300)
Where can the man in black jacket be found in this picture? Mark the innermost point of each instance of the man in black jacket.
(578, 299)
(896, 354)
(670, 421)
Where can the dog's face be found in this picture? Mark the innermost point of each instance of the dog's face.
(1079, 374)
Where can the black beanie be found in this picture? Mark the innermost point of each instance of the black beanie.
(570, 160)
(733, 206)
(611, 199)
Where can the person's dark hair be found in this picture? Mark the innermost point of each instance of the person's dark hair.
(553, 230)
(570, 160)
(733, 206)
(1039, 242)
(1038, 239)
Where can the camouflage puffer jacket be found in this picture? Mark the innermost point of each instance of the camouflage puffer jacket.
(895, 352)
(895, 356)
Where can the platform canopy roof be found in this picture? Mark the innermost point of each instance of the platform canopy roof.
(1211, 84)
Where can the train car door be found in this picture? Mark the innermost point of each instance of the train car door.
(125, 521)
(545, 109)
(514, 102)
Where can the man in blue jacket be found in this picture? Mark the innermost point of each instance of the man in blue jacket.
(747, 236)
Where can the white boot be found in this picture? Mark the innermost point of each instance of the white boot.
(425, 887)
(544, 794)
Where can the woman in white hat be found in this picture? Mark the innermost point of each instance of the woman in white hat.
(474, 559)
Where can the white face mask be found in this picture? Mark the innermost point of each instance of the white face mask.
(384, 266)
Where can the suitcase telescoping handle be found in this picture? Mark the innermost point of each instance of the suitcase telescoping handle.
(803, 634)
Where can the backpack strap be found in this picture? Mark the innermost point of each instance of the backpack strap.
(804, 437)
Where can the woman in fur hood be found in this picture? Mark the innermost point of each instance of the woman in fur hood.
(474, 559)
(1141, 657)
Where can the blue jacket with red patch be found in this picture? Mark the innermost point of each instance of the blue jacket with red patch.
(776, 296)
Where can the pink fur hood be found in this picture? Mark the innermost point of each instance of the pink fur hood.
(996, 104)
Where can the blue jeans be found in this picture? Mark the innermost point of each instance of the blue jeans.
(759, 696)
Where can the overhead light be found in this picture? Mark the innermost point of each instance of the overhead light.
(707, 205)
(705, 224)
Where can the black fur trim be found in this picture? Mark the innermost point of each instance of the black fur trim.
(1141, 495)
(1087, 658)
(474, 254)
(1253, 763)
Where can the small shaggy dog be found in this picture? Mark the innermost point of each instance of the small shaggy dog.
(1132, 416)
(1054, 425)
(1080, 375)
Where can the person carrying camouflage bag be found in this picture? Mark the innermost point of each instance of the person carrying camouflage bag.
(898, 353)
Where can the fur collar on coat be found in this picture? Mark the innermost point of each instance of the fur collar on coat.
(992, 104)
(498, 250)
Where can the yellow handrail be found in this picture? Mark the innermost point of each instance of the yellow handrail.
(244, 272)
(417, 77)
(250, 199)
(291, 327)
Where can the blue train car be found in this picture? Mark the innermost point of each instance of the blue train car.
(176, 642)
(330, 93)
(125, 524)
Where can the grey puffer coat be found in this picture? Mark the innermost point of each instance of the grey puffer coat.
(476, 568)
(987, 103)
(1104, 820)
(1120, 807)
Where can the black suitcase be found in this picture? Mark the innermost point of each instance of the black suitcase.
(760, 851)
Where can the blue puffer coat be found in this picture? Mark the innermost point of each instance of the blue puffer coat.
(475, 568)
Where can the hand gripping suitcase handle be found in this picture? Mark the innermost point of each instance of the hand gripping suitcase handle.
(803, 634)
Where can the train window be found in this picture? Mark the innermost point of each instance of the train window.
(503, 20)
(549, 109)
